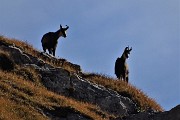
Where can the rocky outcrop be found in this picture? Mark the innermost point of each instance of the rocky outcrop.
(65, 113)
(173, 114)
(72, 84)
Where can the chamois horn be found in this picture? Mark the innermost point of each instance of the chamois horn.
(66, 27)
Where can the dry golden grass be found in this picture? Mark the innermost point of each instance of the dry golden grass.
(127, 90)
(22, 99)
(22, 95)
(11, 110)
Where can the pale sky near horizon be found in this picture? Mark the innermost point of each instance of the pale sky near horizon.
(98, 33)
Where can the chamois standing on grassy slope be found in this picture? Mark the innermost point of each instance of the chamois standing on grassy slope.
(121, 67)
(50, 40)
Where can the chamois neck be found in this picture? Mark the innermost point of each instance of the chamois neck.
(58, 33)
(123, 57)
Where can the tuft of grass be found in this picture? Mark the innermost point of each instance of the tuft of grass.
(125, 89)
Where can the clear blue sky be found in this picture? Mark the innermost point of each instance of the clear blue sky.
(100, 30)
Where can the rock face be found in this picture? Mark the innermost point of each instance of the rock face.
(173, 114)
(71, 84)
(65, 113)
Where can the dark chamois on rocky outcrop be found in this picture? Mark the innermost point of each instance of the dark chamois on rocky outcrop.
(121, 67)
(50, 40)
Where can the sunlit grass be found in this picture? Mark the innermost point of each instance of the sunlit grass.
(22, 95)
(26, 98)
(142, 100)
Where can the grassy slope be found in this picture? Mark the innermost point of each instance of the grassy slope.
(23, 97)
(142, 100)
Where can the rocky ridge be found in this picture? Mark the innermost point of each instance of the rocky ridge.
(73, 84)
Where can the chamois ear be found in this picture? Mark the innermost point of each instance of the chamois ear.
(60, 26)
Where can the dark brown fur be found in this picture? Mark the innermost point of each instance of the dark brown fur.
(50, 40)
(121, 67)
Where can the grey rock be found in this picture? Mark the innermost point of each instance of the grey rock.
(65, 113)
(72, 85)
(17, 55)
(173, 114)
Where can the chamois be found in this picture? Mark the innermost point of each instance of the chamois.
(121, 67)
(50, 40)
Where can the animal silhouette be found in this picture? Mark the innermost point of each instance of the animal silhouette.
(50, 40)
(121, 67)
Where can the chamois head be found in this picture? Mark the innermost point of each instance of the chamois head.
(63, 30)
(127, 51)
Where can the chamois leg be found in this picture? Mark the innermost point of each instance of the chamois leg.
(54, 51)
(124, 77)
(127, 79)
(44, 49)
(120, 77)
(127, 76)
(50, 52)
